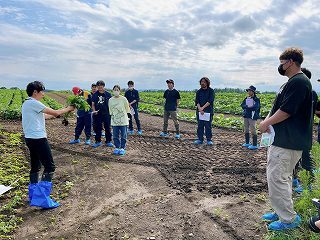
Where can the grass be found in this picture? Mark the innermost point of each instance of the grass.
(14, 172)
(303, 206)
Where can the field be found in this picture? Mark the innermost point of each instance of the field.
(161, 189)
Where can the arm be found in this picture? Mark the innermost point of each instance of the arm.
(278, 117)
(55, 113)
(243, 104)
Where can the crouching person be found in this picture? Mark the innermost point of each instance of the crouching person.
(34, 114)
(119, 110)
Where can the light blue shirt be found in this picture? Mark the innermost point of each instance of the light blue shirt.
(33, 121)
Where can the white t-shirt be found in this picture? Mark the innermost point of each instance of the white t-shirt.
(33, 121)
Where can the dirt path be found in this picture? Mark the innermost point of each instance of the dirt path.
(161, 189)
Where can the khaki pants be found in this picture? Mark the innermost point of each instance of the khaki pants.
(250, 124)
(281, 162)
(174, 117)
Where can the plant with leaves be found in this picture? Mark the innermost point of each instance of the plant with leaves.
(79, 103)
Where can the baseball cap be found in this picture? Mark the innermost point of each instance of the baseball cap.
(170, 81)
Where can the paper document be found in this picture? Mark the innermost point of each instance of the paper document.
(4, 189)
(249, 102)
(204, 117)
(267, 138)
(132, 111)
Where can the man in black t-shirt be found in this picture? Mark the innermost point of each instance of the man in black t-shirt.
(291, 118)
(172, 97)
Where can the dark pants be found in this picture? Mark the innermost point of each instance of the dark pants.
(319, 132)
(306, 163)
(119, 141)
(83, 122)
(40, 154)
(204, 127)
(105, 121)
(136, 118)
(93, 123)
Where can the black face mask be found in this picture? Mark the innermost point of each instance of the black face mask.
(281, 70)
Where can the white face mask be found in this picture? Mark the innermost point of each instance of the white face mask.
(130, 88)
(116, 93)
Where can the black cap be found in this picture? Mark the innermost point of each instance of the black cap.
(170, 81)
(252, 88)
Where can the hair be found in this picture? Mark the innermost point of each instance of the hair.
(295, 54)
(93, 85)
(116, 86)
(130, 83)
(306, 72)
(34, 86)
(207, 81)
(100, 83)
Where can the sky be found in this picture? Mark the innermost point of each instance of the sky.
(236, 43)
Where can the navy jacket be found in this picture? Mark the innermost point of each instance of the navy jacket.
(251, 112)
(203, 96)
(132, 95)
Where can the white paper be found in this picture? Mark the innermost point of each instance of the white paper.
(267, 138)
(249, 102)
(132, 111)
(4, 189)
(204, 117)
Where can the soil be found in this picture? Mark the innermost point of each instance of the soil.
(162, 188)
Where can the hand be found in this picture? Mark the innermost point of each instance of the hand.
(70, 108)
(202, 112)
(263, 127)
(95, 112)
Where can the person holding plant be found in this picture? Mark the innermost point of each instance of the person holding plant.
(292, 118)
(251, 112)
(172, 98)
(34, 114)
(204, 102)
(101, 114)
(119, 110)
(83, 118)
(133, 98)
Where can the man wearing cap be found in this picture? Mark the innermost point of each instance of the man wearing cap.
(172, 97)
(291, 117)
(251, 112)
(204, 102)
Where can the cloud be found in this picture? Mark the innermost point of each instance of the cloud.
(65, 42)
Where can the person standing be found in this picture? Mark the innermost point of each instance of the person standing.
(172, 98)
(291, 118)
(119, 110)
(132, 96)
(34, 114)
(204, 102)
(93, 91)
(306, 160)
(101, 114)
(251, 113)
(83, 118)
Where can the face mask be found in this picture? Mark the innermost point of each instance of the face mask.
(131, 88)
(116, 93)
(281, 70)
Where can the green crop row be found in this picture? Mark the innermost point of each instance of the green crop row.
(218, 119)
(14, 172)
(225, 102)
(11, 102)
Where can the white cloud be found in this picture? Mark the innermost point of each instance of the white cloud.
(235, 42)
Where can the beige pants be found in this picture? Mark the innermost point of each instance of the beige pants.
(281, 162)
(250, 124)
